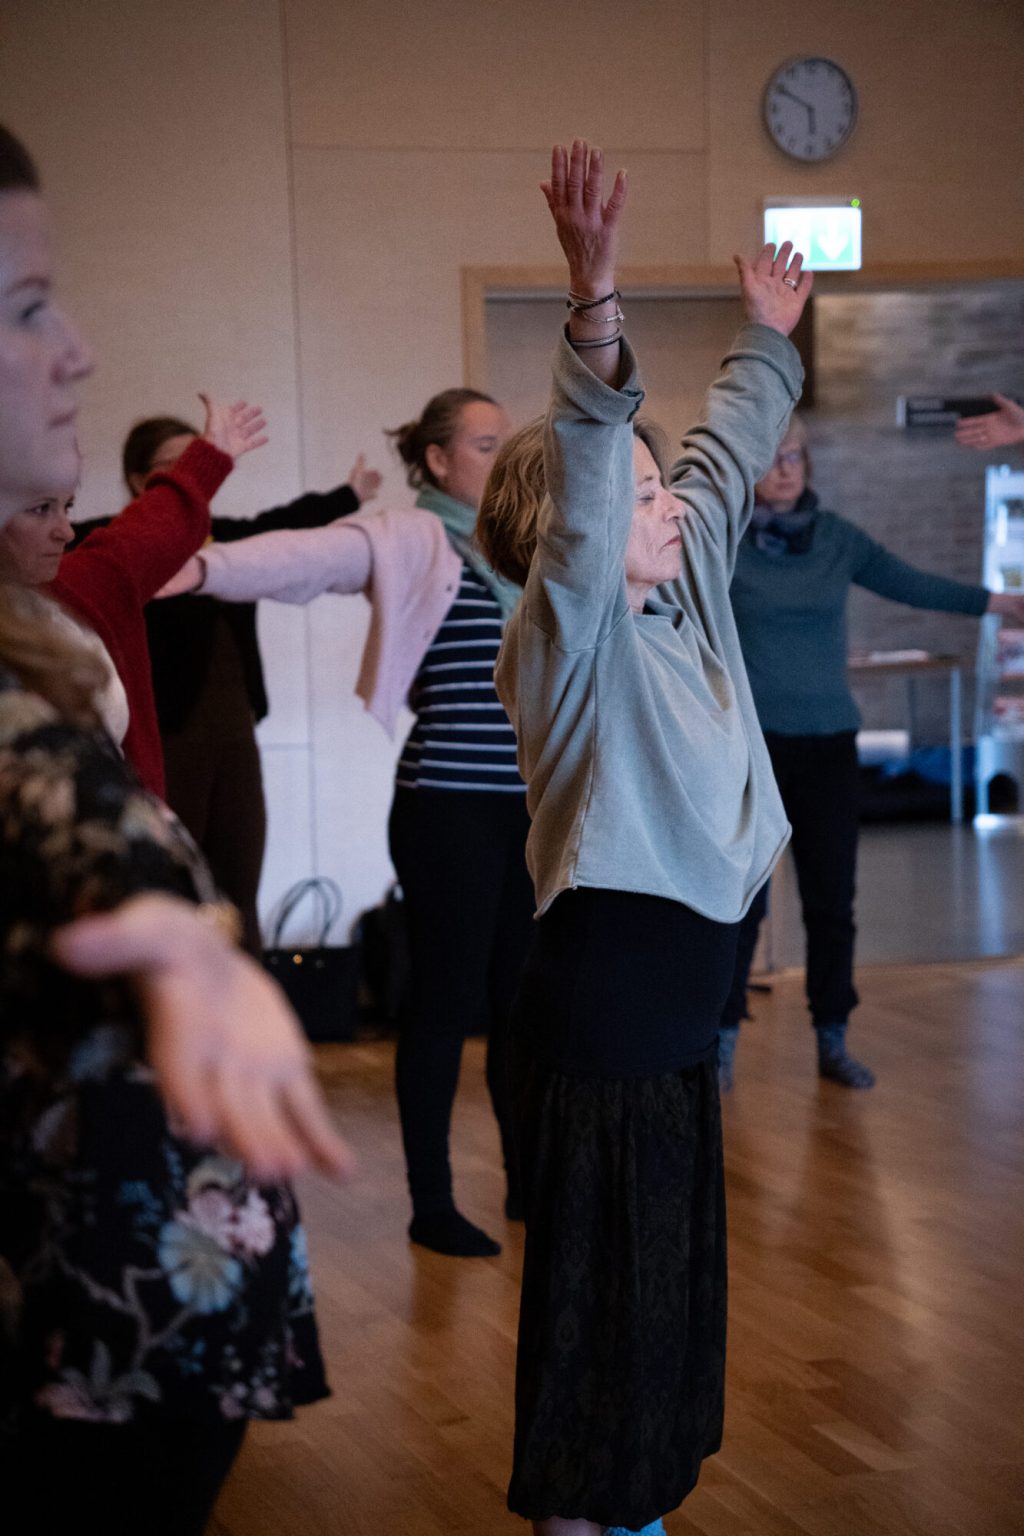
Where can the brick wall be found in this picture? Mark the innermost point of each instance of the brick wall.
(918, 493)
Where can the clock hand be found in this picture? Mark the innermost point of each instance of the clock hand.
(783, 91)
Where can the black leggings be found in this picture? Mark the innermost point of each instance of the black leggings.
(161, 1477)
(460, 857)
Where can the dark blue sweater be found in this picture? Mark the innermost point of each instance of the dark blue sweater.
(791, 615)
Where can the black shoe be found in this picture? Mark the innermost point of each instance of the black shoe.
(449, 1233)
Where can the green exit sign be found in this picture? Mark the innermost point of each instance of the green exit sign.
(827, 234)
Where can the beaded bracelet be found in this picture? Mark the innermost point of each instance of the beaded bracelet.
(578, 303)
(602, 319)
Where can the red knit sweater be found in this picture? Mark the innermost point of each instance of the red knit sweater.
(107, 581)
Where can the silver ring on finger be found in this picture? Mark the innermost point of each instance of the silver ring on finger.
(790, 282)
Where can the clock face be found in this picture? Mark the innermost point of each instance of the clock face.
(810, 108)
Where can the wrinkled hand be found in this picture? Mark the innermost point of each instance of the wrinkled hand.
(587, 228)
(767, 296)
(231, 1062)
(997, 429)
(1008, 605)
(365, 482)
(234, 429)
(188, 579)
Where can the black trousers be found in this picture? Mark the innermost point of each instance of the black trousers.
(215, 785)
(460, 857)
(818, 779)
(161, 1477)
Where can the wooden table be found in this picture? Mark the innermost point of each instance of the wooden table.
(911, 665)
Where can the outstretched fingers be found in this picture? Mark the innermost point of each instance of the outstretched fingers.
(577, 176)
(775, 286)
(781, 258)
(594, 182)
(554, 190)
(617, 200)
(771, 262)
(577, 182)
(303, 1103)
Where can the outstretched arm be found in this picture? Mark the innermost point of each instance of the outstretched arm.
(997, 429)
(313, 509)
(588, 232)
(290, 566)
(130, 558)
(748, 406)
(229, 1057)
(576, 587)
(880, 571)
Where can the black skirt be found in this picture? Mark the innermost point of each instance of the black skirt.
(621, 1360)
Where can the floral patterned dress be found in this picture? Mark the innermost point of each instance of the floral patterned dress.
(139, 1275)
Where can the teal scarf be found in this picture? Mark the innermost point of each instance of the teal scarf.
(459, 521)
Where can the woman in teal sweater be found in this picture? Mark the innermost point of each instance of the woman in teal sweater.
(794, 570)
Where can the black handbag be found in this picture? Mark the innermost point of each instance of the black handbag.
(320, 980)
(384, 961)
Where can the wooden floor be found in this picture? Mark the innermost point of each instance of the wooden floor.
(876, 1306)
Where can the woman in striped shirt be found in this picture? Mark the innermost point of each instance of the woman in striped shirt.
(458, 823)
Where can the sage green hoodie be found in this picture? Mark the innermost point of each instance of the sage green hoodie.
(637, 737)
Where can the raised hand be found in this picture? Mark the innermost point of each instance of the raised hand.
(587, 228)
(234, 429)
(997, 429)
(774, 289)
(230, 1060)
(365, 482)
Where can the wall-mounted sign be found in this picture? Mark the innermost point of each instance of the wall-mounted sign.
(915, 411)
(828, 234)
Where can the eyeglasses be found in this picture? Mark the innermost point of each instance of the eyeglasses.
(788, 460)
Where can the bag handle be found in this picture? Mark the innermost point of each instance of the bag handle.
(327, 896)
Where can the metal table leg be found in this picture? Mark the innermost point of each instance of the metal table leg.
(956, 783)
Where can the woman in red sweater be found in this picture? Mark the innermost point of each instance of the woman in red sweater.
(104, 584)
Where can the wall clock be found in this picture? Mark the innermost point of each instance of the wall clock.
(810, 108)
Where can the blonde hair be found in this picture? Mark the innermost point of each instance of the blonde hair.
(506, 525)
(44, 659)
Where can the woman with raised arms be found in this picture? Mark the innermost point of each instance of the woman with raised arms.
(654, 822)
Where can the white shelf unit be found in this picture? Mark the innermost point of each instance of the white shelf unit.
(999, 706)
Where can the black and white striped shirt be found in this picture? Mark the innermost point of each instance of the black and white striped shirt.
(462, 738)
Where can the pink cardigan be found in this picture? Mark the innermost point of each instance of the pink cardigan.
(401, 561)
